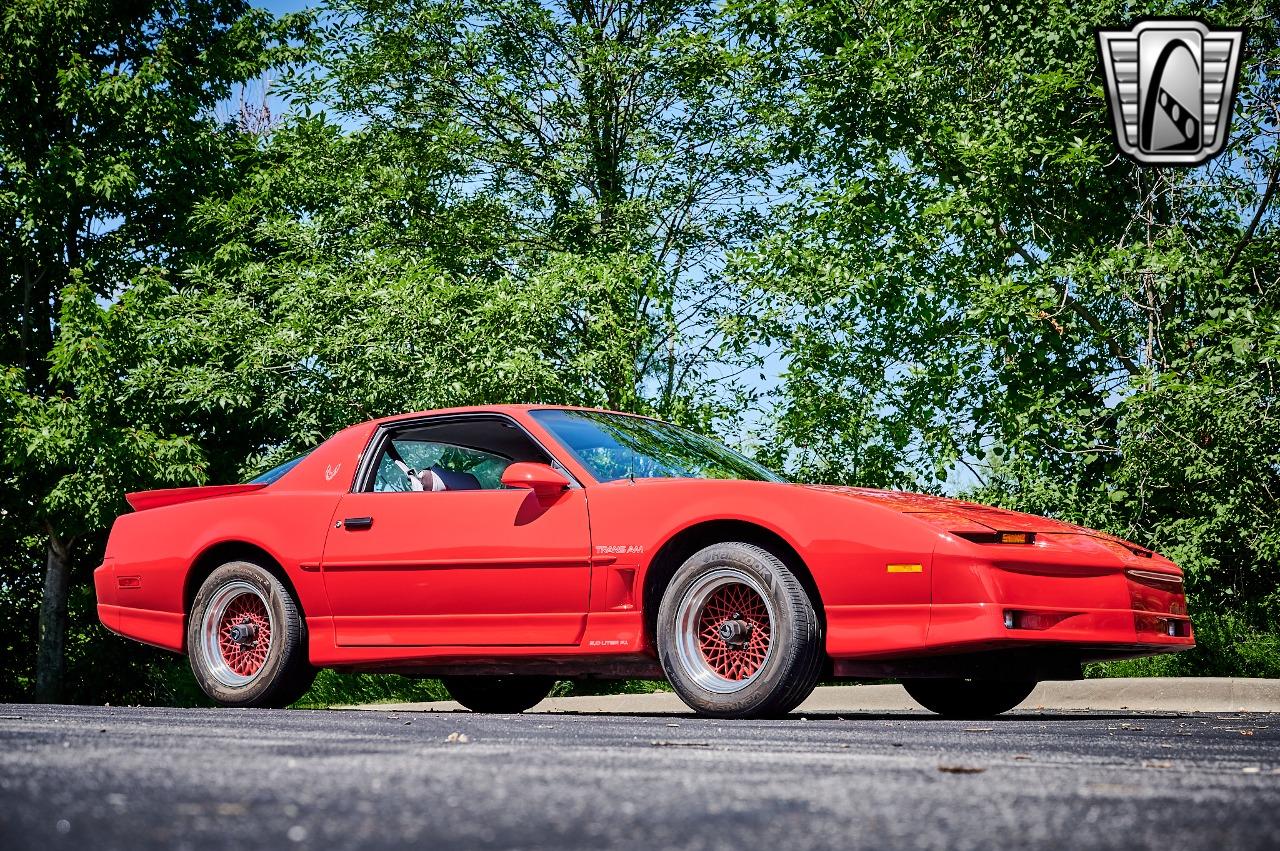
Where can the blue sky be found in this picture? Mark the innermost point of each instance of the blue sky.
(280, 7)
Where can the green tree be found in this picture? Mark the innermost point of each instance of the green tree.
(614, 136)
(973, 287)
(106, 142)
(341, 283)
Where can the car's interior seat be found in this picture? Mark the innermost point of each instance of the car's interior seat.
(456, 481)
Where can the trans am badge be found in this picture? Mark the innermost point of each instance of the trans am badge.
(1171, 85)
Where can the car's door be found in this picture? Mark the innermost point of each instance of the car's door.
(484, 566)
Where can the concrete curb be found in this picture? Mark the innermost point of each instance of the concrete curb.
(1181, 694)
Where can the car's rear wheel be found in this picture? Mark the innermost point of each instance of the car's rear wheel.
(499, 695)
(960, 698)
(738, 635)
(246, 639)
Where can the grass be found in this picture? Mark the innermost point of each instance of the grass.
(1226, 646)
(336, 689)
(332, 688)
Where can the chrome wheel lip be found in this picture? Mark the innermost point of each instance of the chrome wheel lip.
(210, 627)
(688, 647)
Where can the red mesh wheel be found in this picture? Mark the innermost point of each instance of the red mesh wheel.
(244, 634)
(247, 638)
(734, 631)
(737, 634)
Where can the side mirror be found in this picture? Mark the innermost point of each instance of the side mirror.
(542, 479)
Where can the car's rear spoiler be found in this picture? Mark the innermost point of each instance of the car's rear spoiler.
(142, 500)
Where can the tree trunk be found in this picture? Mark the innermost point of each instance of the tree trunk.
(51, 661)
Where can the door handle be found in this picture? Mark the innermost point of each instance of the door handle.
(353, 523)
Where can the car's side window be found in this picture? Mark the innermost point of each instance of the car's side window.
(472, 469)
(451, 453)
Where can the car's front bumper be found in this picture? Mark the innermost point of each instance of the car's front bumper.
(1063, 604)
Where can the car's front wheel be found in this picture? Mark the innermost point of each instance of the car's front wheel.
(969, 699)
(246, 639)
(738, 635)
(499, 695)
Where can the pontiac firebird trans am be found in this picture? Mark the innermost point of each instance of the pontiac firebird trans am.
(503, 548)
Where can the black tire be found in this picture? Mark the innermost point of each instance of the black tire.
(499, 695)
(284, 673)
(968, 699)
(736, 684)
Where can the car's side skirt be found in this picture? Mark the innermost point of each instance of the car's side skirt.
(636, 666)
(606, 635)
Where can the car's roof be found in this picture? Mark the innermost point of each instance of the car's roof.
(500, 409)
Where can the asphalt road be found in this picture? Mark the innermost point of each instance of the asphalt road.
(98, 777)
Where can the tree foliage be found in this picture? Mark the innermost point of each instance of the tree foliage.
(975, 291)
(106, 144)
(911, 212)
(611, 135)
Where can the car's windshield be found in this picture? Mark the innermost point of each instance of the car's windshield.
(615, 446)
(276, 472)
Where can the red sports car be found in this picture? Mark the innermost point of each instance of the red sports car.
(504, 548)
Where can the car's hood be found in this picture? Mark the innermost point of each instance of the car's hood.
(995, 519)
